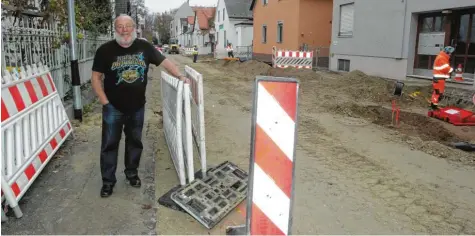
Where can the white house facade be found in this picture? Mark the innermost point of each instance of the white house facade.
(203, 32)
(179, 24)
(233, 24)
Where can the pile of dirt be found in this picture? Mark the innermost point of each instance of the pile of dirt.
(360, 86)
(300, 74)
(412, 124)
(253, 67)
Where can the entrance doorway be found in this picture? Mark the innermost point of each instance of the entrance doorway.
(459, 29)
(462, 37)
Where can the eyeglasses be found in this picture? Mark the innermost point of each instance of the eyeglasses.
(123, 27)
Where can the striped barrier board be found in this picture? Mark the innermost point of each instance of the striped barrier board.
(296, 59)
(34, 126)
(272, 165)
(187, 51)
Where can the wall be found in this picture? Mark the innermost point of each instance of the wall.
(384, 33)
(315, 23)
(182, 12)
(244, 35)
(228, 26)
(283, 10)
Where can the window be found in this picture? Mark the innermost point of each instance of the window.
(224, 13)
(264, 34)
(225, 42)
(343, 65)
(265, 2)
(219, 16)
(346, 19)
(280, 33)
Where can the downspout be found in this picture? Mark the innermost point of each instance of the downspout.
(403, 29)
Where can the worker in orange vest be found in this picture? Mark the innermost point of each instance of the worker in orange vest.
(441, 72)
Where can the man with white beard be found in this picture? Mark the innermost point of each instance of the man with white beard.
(124, 64)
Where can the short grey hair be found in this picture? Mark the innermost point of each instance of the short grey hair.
(132, 19)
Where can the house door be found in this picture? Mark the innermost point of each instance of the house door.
(462, 37)
(459, 29)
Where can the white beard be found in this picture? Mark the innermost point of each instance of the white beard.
(121, 41)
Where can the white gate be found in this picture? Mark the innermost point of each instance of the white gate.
(198, 114)
(177, 124)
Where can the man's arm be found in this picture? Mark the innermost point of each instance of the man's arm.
(173, 70)
(97, 87)
(158, 59)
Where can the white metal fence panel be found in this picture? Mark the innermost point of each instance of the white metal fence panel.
(172, 103)
(34, 125)
(243, 52)
(187, 135)
(198, 114)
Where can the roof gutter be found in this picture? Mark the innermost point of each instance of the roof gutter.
(252, 5)
(403, 29)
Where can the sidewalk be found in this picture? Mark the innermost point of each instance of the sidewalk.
(65, 198)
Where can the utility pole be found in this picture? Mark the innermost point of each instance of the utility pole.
(76, 80)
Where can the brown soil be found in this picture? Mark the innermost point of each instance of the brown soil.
(359, 95)
(413, 124)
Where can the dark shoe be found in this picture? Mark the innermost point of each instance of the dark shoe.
(134, 181)
(106, 190)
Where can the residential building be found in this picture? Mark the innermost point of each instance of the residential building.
(290, 25)
(179, 24)
(203, 29)
(395, 39)
(233, 24)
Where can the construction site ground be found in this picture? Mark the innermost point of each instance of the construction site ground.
(355, 172)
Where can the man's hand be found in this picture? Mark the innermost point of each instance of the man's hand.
(104, 102)
(173, 70)
(184, 79)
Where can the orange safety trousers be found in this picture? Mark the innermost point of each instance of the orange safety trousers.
(439, 86)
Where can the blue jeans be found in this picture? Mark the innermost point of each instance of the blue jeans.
(113, 121)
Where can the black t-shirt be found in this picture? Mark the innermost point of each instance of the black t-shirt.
(125, 72)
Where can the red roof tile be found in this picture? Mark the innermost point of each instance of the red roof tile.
(203, 15)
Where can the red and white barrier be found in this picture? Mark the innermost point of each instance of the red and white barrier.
(297, 59)
(34, 126)
(271, 177)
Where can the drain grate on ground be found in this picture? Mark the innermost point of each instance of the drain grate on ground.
(209, 200)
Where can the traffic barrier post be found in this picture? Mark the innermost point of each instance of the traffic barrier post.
(272, 163)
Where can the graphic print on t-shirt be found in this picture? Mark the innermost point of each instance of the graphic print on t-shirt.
(129, 68)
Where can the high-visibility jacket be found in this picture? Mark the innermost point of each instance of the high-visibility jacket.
(442, 68)
(195, 51)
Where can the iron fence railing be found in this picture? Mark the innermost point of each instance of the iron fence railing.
(30, 40)
(243, 52)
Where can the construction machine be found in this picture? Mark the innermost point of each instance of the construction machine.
(174, 47)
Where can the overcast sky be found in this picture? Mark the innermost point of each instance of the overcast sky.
(165, 5)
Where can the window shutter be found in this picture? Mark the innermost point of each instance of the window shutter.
(346, 19)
